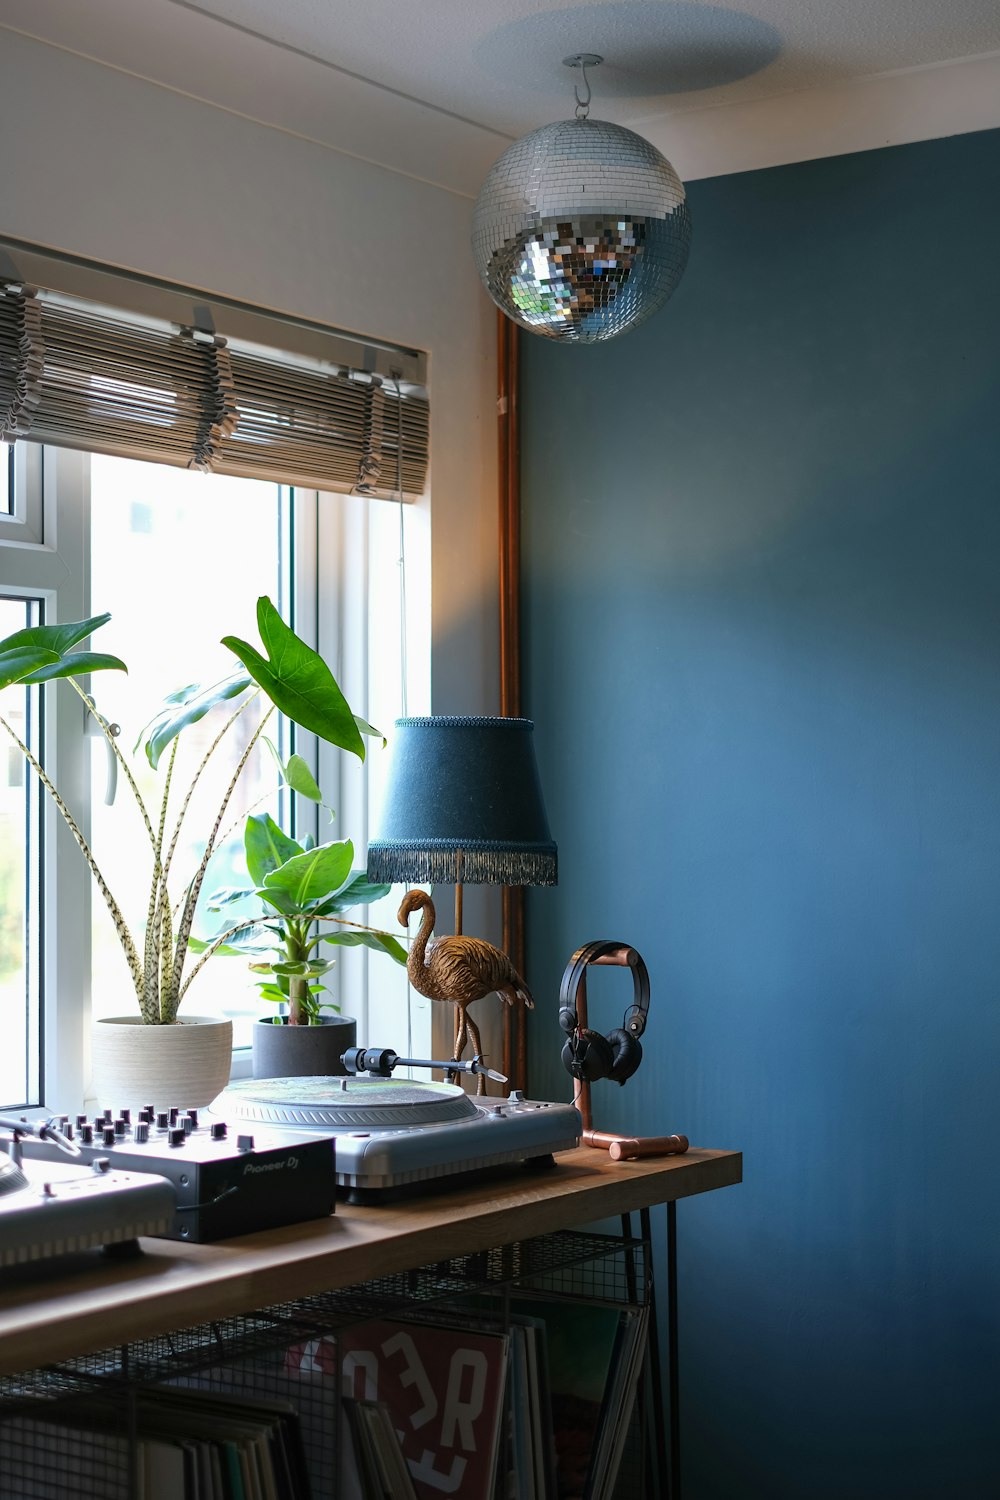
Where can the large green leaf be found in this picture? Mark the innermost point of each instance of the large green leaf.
(267, 846)
(359, 891)
(250, 943)
(295, 773)
(185, 707)
(18, 662)
(280, 900)
(298, 680)
(39, 653)
(228, 895)
(369, 731)
(77, 664)
(315, 874)
(382, 942)
(57, 638)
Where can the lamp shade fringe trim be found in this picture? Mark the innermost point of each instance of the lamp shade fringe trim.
(474, 863)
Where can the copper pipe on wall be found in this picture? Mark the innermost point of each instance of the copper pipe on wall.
(515, 1041)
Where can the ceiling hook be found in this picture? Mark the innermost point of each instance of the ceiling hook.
(583, 61)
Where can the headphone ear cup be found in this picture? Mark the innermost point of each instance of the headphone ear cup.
(588, 1056)
(626, 1055)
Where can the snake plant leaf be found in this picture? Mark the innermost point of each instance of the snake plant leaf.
(381, 942)
(184, 707)
(298, 680)
(312, 875)
(77, 664)
(267, 846)
(359, 891)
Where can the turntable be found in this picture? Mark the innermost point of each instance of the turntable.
(396, 1134)
(57, 1208)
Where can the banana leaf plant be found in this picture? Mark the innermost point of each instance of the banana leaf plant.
(302, 887)
(291, 678)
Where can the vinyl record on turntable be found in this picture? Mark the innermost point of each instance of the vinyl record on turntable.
(337, 1103)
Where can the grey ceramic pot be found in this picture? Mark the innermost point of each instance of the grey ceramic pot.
(299, 1051)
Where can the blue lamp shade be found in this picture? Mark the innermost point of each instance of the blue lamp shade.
(463, 803)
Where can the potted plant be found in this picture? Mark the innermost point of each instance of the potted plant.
(303, 889)
(133, 1054)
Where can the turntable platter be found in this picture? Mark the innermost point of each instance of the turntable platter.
(334, 1103)
(12, 1179)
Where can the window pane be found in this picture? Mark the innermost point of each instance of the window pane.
(20, 944)
(179, 559)
(6, 479)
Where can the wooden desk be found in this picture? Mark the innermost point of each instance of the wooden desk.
(174, 1285)
(53, 1318)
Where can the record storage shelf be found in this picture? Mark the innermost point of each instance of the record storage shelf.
(44, 1456)
(222, 1312)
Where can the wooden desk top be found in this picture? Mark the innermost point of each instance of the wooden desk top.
(174, 1285)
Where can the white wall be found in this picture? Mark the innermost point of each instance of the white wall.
(105, 165)
(108, 166)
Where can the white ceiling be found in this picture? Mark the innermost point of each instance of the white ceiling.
(436, 88)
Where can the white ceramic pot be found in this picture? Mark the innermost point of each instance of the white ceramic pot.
(186, 1064)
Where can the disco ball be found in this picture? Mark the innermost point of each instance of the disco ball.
(581, 230)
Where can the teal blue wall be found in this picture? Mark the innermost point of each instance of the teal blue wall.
(762, 615)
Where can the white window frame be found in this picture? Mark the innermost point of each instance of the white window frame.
(44, 554)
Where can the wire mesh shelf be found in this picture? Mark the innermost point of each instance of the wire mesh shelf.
(68, 1431)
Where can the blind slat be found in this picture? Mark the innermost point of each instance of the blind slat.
(82, 377)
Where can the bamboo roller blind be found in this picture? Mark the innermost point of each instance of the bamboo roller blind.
(80, 375)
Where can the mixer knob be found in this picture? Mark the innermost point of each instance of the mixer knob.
(81, 1120)
(87, 1135)
(108, 1135)
(174, 1112)
(187, 1124)
(219, 1130)
(109, 1116)
(244, 1143)
(126, 1115)
(141, 1134)
(162, 1119)
(48, 1191)
(192, 1115)
(176, 1136)
(100, 1164)
(121, 1125)
(517, 1096)
(150, 1112)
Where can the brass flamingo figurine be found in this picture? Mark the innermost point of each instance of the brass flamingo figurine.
(460, 969)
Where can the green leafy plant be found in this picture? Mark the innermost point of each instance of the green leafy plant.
(287, 673)
(302, 888)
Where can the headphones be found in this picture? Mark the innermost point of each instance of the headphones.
(586, 1054)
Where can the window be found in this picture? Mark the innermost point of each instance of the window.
(20, 906)
(6, 478)
(178, 559)
(124, 390)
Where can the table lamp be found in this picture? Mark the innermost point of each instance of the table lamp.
(463, 804)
